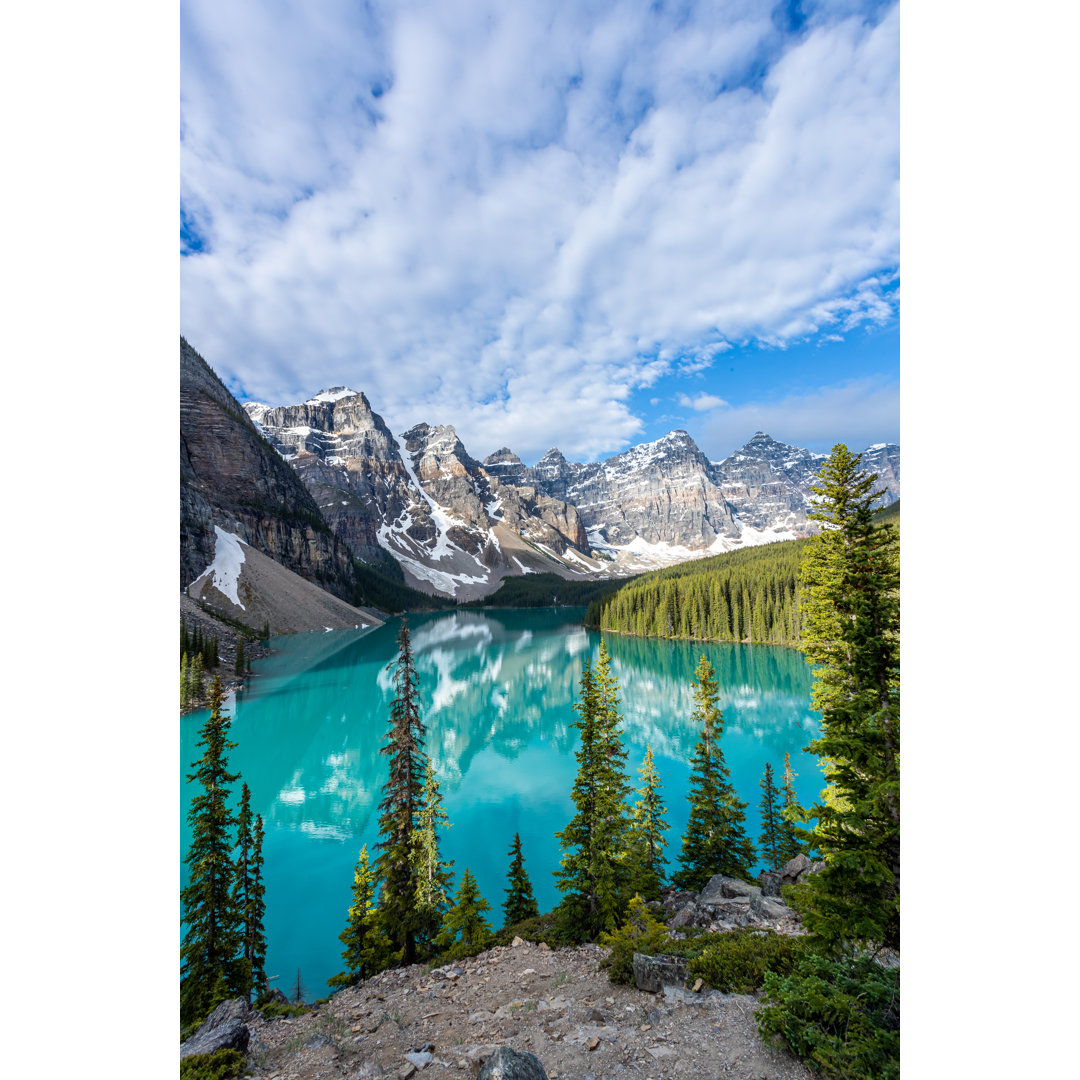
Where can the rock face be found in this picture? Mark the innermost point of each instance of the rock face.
(425, 501)
(884, 459)
(226, 1028)
(230, 476)
(347, 459)
(508, 1064)
(653, 973)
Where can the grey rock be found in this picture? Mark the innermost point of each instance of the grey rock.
(421, 1060)
(317, 1040)
(224, 1029)
(508, 1064)
(768, 908)
(721, 888)
(770, 881)
(652, 973)
(793, 868)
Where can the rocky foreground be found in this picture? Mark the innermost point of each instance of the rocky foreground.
(557, 1004)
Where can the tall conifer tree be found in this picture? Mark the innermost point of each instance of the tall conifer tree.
(792, 837)
(851, 634)
(212, 935)
(255, 934)
(242, 889)
(431, 871)
(771, 821)
(647, 830)
(715, 841)
(593, 875)
(367, 950)
(402, 801)
(520, 903)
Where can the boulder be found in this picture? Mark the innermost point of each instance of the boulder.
(726, 888)
(224, 1029)
(768, 908)
(793, 868)
(507, 1064)
(770, 882)
(653, 973)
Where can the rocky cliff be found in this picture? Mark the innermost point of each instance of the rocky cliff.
(230, 476)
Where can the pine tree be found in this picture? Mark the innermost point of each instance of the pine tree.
(212, 936)
(715, 841)
(298, 989)
(647, 830)
(792, 838)
(402, 801)
(466, 917)
(254, 931)
(196, 680)
(850, 587)
(238, 666)
(430, 870)
(242, 888)
(185, 644)
(185, 682)
(771, 831)
(520, 903)
(593, 875)
(367, 950)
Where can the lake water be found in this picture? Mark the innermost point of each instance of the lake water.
(496, 689)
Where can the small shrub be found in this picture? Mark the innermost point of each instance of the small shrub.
(738, 961)
(539, 928)
(281, 1008)
(642, 933)
(221, 1065)
(840, 1017)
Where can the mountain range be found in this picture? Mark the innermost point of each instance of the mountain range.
(317, 483)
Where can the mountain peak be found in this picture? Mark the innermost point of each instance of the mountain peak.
(335, 393)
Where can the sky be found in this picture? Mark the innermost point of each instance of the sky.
(550, 224)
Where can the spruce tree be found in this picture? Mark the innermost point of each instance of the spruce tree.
(238, 665)
(466, 917)
(196, 680)
(212, 934)
(647, 830)
(185, 682)
(851, 634)
(520, 904)
(715, 841)
(402, 801)
(771, 821)
(254, 931)
(185, 644)
(792, 838)
(593, 874)
(242, 889)
(430, 870)
(367, 950)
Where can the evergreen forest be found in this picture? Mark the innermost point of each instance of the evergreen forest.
(749, 596)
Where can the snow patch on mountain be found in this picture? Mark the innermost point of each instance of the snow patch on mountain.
(228, 558)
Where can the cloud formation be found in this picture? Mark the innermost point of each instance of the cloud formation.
(510, 217)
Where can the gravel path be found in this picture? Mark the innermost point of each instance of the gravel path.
(557, 1004)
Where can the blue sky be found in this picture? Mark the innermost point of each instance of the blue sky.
(550, 224)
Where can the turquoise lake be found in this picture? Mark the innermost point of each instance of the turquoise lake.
(497, 689)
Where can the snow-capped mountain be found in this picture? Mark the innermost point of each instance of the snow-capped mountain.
(457, 526)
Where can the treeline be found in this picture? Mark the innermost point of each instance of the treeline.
(199, 658)
(547, 590)
(744, 596)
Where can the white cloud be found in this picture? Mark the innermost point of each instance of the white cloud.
(509, 217)
(858, 412)
(702, 403)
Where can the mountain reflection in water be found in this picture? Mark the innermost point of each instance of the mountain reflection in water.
(496, 692)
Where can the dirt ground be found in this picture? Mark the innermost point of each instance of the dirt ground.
(557, 1004)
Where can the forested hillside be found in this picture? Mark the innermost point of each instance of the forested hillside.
(748, 595)
(547, 590)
